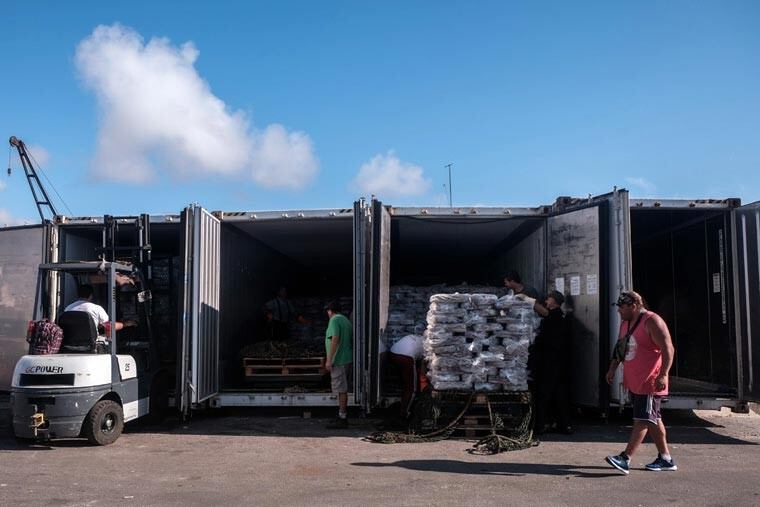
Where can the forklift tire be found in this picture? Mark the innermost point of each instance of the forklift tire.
(104, 424)
(24, 441)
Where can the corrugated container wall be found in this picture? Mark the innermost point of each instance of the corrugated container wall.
(20, 254)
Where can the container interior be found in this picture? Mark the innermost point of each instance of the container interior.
(313, 259)
(681, 265)
(452, 254)
(477, 251)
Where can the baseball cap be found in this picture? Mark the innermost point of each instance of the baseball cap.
(628, 298)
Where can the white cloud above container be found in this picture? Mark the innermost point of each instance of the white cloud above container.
(388, 176)
(157, 113)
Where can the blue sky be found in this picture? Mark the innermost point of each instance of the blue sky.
(149, 106)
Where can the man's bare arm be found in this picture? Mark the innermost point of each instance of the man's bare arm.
(658, 330)
(334, 343)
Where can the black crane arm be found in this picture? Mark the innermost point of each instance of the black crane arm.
(41, 198)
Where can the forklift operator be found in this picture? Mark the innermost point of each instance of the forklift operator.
(97, 313)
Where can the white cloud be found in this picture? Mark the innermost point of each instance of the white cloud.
(387, 176)
(282, 159)
(155, 105)
(3, 185)
(8, 220)
(641, 183)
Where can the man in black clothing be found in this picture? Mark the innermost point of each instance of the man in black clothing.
(279, 313)
(548, 366)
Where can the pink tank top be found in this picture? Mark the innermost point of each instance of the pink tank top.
(643, 359)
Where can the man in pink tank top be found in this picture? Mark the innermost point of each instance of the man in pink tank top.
(646, 351)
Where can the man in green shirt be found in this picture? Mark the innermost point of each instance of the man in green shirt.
(340, 354)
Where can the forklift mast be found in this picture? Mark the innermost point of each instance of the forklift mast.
(136, 252)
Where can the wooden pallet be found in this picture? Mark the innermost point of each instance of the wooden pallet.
(502, 397)
(476, 422)
(483, 398)
(271, 368)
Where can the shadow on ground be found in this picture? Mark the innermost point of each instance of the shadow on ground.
(505, 469)
(684, 427)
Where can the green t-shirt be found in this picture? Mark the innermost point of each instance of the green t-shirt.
(340, 326)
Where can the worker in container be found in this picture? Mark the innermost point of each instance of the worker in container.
(548, 368)
(97, 314)
(340, 355)
(513, 281)
(279, 313)
(406, 355)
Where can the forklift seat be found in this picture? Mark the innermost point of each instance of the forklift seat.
(79, 332)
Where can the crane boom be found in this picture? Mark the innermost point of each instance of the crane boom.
(41, 198)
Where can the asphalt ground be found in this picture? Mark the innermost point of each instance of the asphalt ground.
(249, 457)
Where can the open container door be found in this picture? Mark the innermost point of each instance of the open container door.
(361, 246)
(380, 273)
(198, 354)
(588, 260)
(746, 225)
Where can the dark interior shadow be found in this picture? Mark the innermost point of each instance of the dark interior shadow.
(505, 469)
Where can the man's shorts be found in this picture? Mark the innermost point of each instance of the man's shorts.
(339, 378)
(646, 407)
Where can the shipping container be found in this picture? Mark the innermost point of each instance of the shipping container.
(212, 275)
(72, 239)
(580, 243)
(695, 263)
(235, 263)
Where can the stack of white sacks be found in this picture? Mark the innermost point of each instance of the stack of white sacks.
(409, 305)
(479, 341)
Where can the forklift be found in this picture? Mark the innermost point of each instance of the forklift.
(100, 379)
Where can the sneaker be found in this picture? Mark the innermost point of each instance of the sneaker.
(338, 424)
(661, 464)
(618, 462)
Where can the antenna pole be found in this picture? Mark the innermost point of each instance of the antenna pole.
(448, 166)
